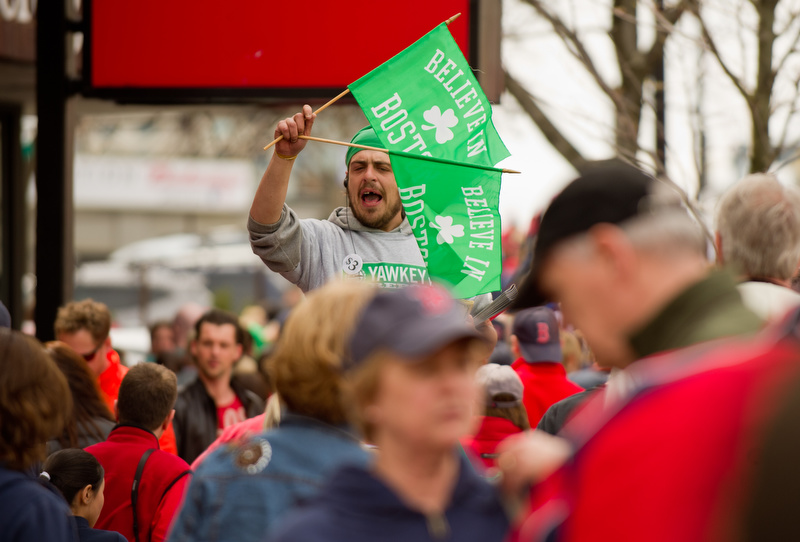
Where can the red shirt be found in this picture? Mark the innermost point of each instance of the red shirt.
(230, 414)
(544, 383)
(158, 502)
(492, 432)
(674, 462)
(110, 381)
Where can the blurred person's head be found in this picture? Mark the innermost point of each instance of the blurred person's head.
(176, 361)
(217, 345)
(502, 394)
(305, 367)
(87, 399)
(147, 396)
(572, 353)
(84, 327)
(184, 323)
(501, 330)
(162, 337)
(758, 229)
(253, 320)
(535, 335)
(412, 359)
(253, 314)
(34, 400)
(614, 247)
(79, 477)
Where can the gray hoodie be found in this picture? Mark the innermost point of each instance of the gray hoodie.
(309, 252)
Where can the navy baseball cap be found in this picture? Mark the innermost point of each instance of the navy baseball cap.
(608, 192)
(536, 330)
(413, 322)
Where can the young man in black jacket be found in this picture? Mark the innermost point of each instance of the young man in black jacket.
(214, 400)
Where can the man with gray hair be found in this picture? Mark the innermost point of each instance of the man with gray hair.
(628, 265)
(758, 237)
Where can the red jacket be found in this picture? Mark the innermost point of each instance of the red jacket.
(544, 383)
(111, 378)
(163, 483)
(110, 381)
(491, 433)
(673, 461)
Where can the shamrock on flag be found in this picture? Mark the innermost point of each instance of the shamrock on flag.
(447, 230)
(427, 101)
(441, 122)
(453, 210)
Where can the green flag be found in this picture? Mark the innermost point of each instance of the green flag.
(452, 209)
(426, 100)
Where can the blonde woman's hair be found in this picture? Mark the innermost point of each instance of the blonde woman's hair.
(272, 413)
(516, 414)
(306, 364)
(571, 350)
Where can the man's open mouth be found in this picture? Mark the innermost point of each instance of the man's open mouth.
(370, 198)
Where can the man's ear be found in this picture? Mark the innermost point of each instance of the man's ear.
(718, 246)
(613, 250)
(168, 420)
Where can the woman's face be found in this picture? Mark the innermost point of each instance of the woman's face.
(96, 505)
(426, 403)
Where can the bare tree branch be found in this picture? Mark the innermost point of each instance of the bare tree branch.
(665, 26)
(712, 47)
(793, 108)
(548, 129)
(574, 45)
(791, 51)
(624, 35)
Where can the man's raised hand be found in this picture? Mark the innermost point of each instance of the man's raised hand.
(297, 125)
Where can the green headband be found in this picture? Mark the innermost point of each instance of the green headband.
(365, 136)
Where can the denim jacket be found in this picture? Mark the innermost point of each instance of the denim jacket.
(241, 491)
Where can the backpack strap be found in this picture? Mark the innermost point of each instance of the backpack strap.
(135, 491)
(175, 481)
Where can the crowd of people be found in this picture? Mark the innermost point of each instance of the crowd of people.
(636, 390)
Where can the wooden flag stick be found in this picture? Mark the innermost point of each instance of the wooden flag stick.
(368, 148)
(343, 143)
(320, 110)
(346, 91)
(453, 18)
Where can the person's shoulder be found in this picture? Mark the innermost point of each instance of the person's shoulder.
(254, 401)
(189, 392)
(189, 387)
(168, 462)
(23, 489)
(32, 510)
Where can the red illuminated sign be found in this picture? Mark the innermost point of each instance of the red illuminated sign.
(254, 46)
